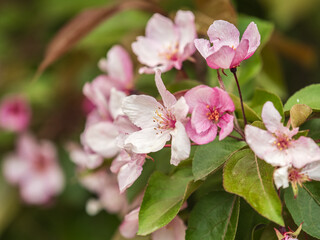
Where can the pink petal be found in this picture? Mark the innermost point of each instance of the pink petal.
(141, 109)
(303, 151)
(200, 95)
(119, 66)
(221, 58)
(33, 191)
(281, 177)
(175, 230)
(186, 28)
(101, 138)
(226, 125)
(115, 103)
(111, 198)
(241, 53)
(161, 29)
(167, 97)
(199, 119)
(128, 174)
(204, 137)
(204, 47)
(253, 36)
(147, 51)
(122, 159)
(262, 144)
(27, 147)
(129, 227)
(222, 101)
(14, 168)
(223, 33)
(271, 118)
(180, 146)
(147, 140)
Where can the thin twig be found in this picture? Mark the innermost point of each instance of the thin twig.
(234, 70)
(237, 138)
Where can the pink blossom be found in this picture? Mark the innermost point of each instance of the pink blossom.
(34, 168)
(226, 50)
(166, 44)
(175, 230)
(15, 113)
(158, 123)
(210, 108)
(276, 145)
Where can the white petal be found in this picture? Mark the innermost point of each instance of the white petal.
(180, 147)
(204, 47)
(281, 177)
(167, 97)
(141, 109)
(175, 230)
(101, 138)
(129, 227)
(312, 170)
(180, 109)
(128, 174)
(271, 117)
(115, 103)
(147, 140)
(14, 168)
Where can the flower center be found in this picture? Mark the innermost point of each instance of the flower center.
(282, 142)
(164, 119)
(41, 163)
(171, 52)
(213, 114)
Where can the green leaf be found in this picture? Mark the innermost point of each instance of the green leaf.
(163, 199)
(209, 157)
(308, 95)
(251, 115)
(251, 178)
(214, 217)
(249, 69)
(299, 113)
(261, 96)
(182, 85)
(305, 208)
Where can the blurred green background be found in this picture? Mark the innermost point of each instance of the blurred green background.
(289, 61)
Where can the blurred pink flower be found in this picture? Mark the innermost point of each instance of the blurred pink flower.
(210, 108)
(15, 113)
(276, 145)
(158, 123)
(175, 230)
(34, 167)
(226, 50)
(166, 44)
(104, 184)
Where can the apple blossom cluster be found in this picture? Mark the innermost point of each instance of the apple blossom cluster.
(34, 166)
(123, 128)
(297, 159)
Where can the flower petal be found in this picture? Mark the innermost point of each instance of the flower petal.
(262, 143)
(204, 137)
(303, 151)
(271, 118)
(221, 58)
(115, 103)
(147, 140)
(253, 36)
(186, 28)
(241, 53)
(281, 177)
(141, 109)
(222, 101)
(175, 230)
(180, 146)
(180, 110)
(129, 227)
(14, 168)
(312, 170)
(223, 33)
(226, 125)
(119, 66)
(167, 97)
(200, 95)
(204, 47)
(101, 138)
(161, 29)
(199, 119)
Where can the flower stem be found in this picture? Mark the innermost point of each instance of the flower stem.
(234, 70)
(220, 80)
(237, 138)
